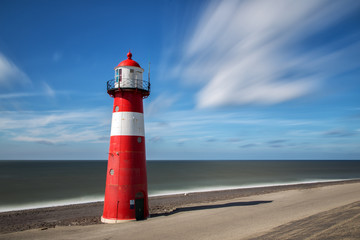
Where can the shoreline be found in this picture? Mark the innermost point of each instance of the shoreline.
(96, 199)
(247, 186)
(164, 205)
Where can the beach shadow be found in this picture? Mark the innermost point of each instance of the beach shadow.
(205, 207)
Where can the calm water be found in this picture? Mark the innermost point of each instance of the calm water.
(28, 184)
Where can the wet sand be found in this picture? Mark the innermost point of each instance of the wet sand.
(283, 212)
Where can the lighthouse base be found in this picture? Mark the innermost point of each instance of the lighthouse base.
(105, 220)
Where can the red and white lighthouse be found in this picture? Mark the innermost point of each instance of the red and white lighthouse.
(126, 194)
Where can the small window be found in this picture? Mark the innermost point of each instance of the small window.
(131, 70)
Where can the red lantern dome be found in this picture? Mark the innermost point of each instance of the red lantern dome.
(128, 62)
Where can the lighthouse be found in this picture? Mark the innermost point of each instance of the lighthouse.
(126, 194)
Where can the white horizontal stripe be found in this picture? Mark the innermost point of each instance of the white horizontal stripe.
(127, 123)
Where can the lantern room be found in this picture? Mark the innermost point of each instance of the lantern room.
(128, 75)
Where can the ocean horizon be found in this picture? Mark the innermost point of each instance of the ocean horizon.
(27, 184)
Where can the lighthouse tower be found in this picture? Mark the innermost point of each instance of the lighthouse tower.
(126, 195)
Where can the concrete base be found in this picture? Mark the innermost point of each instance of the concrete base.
(105, 220)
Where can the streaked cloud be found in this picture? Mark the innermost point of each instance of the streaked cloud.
(35, 140)
(249, 145)
(277, 143)
(160, 104)
(11, 75)
(155, 139)
(19, 95)
(339, 133)
(249, 52)
(55, 127)
(15, 84)
(48, 90)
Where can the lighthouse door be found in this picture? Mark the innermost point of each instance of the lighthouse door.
(139, 206)
(139, 209)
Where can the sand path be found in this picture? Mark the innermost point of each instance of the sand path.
(240, 218)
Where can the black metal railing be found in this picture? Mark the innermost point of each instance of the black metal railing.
(127, 83)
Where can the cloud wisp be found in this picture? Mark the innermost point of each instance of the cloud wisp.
(339, 133)
(14, 83)
(46, 90)
(55, 127)
(248, 52)
(11, 75)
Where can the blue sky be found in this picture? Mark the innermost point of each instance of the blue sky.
(230, 79)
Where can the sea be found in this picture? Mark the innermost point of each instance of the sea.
(34, 184)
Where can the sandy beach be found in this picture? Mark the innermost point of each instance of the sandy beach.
(303, 211)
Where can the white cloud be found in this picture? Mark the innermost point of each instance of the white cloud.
(12, 79)
(244, 51)
(160, 104)
(55, 127)
(48, 90)
(45, 90)
(18, 95)
(195, 125)
(10, 74)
